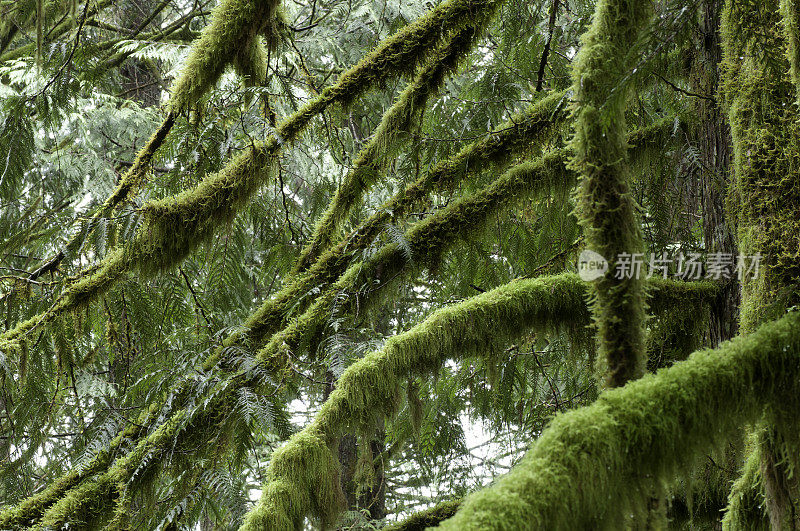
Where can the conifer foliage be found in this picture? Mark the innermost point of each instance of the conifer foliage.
(274, 265)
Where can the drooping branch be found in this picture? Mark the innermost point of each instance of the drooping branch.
(636, 438)
(230, 38)
(605, 205)
(90, 496)
(232, 21)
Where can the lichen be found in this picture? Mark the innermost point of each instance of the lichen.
(640, 437)
(605, 206)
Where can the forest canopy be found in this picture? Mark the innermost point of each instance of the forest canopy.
(387, 264)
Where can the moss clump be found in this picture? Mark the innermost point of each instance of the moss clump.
(596, 467)
(605, 204)
(746, 508)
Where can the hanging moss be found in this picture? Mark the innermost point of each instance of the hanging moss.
(746, 508)
(605, 205)
(90, 497)
(373, 158)
(679, 328)
(639, 437)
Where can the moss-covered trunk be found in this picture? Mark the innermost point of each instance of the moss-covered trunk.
(760, 98)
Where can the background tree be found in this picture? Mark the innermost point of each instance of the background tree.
(283, 265)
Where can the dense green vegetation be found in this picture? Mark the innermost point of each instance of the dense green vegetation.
(287, 265)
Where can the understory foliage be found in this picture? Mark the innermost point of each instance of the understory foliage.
(276, 265)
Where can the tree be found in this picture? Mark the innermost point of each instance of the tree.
(285, 296)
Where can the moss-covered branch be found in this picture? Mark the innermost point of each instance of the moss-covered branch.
(230, 39)
(605, 205)
(428, 518)
(89, 497)
(368, 389)
(429, 238)
(371, 161)
(597, 467)
(32, 508)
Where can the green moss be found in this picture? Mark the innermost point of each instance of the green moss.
(760, 96)
(369, 388)
(32, 508)
(746, 508)
(790, 15)
(605, 204)
(596, 467)
(428, 518)
(90, 499)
